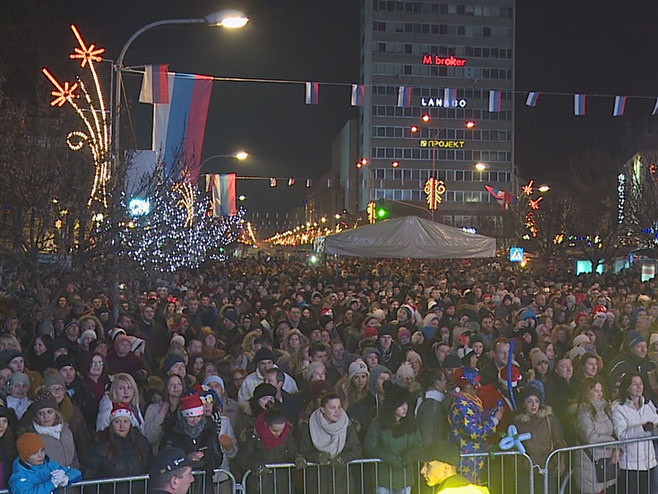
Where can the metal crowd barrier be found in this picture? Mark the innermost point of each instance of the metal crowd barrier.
(139, 485)
(503, 472)
(573, 470)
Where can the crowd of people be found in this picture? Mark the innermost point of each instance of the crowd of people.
(264, 361)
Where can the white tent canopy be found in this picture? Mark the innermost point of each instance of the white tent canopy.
(410, 237)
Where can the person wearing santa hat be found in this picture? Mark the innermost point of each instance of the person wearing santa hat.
(195, 434)
(120, 451)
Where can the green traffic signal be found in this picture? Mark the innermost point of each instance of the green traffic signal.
(381, 213)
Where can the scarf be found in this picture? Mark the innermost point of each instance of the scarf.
(52, 431)
(270, 441)
(328, 437)
(192, 431)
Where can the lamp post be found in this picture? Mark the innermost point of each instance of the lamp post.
(230, 19)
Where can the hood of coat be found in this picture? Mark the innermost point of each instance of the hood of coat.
(544, 411)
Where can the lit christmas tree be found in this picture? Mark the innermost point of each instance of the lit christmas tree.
(178, 230)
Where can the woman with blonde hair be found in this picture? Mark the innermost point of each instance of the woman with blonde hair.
(123, 390)
(299, 364)
(353, 386)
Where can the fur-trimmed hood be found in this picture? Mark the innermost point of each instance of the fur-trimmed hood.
(544, 411)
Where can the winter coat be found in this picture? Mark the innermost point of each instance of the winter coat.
(155, 424)
(208, 439)
(253, 455)
(61, 450)
(546, 435)
(332, 478)
(593, 426)
(628, 421)
(225, 427)
(125, 461)
(397, 470)
(363, 413)
(431, 417)
(83, 399)
(626, 363)
(255, 378)
(35, 479)
(76, 422)
(7, 455)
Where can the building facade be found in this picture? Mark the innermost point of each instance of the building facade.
(451, 54)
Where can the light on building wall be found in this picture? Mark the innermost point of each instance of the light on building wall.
(337, 216)
(395, 164)
(470, 124)
(480, 166)
(413, 129)
(426, 117)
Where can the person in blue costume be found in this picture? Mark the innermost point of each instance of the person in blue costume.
(34, 473)
(470, 424)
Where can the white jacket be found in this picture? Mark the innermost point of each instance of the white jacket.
(627, 421)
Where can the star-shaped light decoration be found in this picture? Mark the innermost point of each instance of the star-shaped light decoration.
(62, 93)
(86, 54)
(534, 203)
(527, 189)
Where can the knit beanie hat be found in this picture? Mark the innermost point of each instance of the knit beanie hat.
(264, 389)
(191, 406)
(28, 444)
(121, 410)
(370, 332)
(581, 339)
(405, 370)
(6, 356)
(264, 354)
(53, 378)
(43, 399)
(537, 356)
(312, 367)
(530, 390)
(18, 378)
(87, 332)
(64, 361)
(215, 379)
(170, 360)
(395, 395)
(177, 339)
(358, 367)
(119, 338)
(634, 337)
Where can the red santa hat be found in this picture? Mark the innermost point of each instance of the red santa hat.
(191, 406)
(121, 410)
(516, 376)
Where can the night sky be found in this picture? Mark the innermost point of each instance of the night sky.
(593, 47)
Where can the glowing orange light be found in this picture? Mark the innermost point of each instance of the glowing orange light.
(470, 124)
(434, 189)
(364, 161)
(425, 117)
(527, 189)
(358, 164)
(414, 129)
(84, 53)
(395, 164)
(534, 203)
(62, 94)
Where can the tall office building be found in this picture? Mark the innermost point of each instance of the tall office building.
(451, 54)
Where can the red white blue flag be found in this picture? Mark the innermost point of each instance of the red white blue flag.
(155, 86)
(404, 96)
(532, 98)
(223, 195)
(504, 198)
(312, 92)
(272, 181)
(495, 98)
(358, 93)
(449, 98)
(579, 104)
(180, 124)
(619, 106)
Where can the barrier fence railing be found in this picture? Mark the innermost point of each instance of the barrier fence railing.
(612, 467)
(616, 466)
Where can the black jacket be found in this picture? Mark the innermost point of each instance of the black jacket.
(125, 461)
(207, 441)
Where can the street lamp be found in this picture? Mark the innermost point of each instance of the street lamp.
(238, 155)
(230, 19)
(479, 166)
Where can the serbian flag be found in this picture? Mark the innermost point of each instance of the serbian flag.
(272, 181)
(495, 98)
(358, 93)
(291, 182)
(155, 87)
(223, 195)
(404, 96)
(180, 124)
(449, 98)
(579, 104)
(504, 198)
(532, 98)
(312, 90)
(619, 106)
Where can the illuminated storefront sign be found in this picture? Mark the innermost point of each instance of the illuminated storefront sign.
(441, 143)
(450, 61)
(439, 102)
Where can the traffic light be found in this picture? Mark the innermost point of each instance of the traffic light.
(382, 212)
